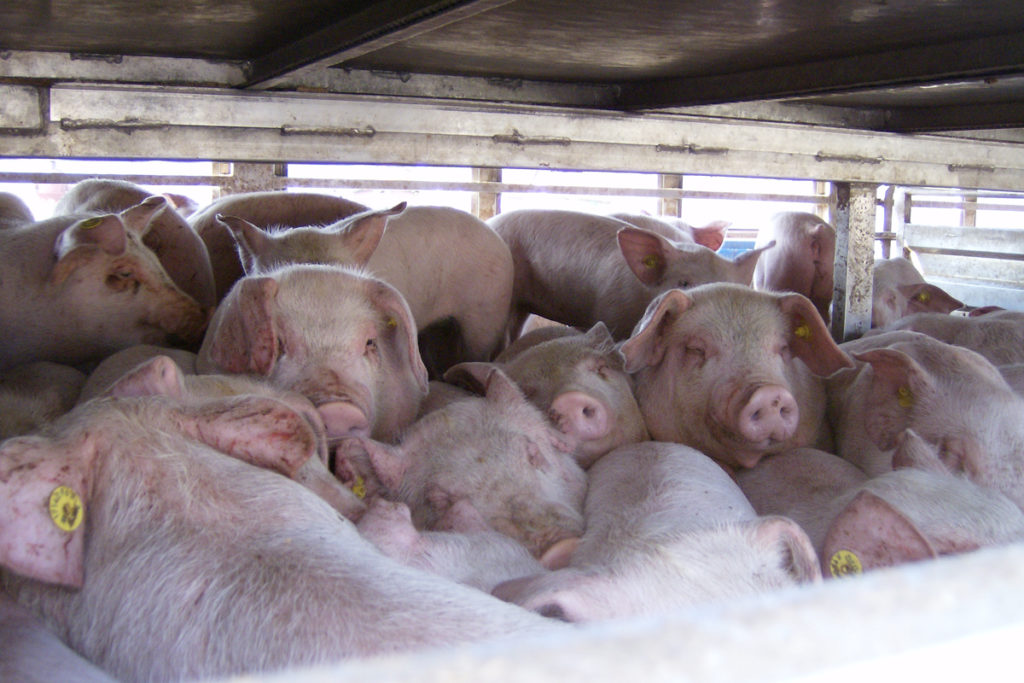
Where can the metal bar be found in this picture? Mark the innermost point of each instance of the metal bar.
(373, 26)
(974, 116)
(974, 58)
(487, 204)
(670, 206)
(854, 221)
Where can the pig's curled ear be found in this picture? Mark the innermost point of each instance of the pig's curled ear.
(914, 452)
(500, 388)
(242, 337)
(746, 262)
(711, 235)
(926, 298)
(251, 241)
(45, 488)
(470, 375)
(646, 253)
(868, 534)
(647, 346)
(809, 339)
(139, 218)
(159, 375)
(798, 555)
(362, 232)
(399, 330)
(599, 337)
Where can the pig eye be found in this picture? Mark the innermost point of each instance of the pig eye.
(683, 284)
(122, 280)
(371, 346)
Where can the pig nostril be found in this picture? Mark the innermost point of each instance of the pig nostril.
(589, 412)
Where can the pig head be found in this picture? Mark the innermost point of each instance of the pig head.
(733, 372)
(344, 340)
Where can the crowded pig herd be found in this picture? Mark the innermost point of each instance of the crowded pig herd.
(289, 429)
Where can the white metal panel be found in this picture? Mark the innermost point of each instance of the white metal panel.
(20, 108)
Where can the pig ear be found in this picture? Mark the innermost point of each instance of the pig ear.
(599, 337)
(139, 218)
(646, 253)
(470, 375)
(799, 556)
(746, 262)
(251, 240)
(914, 452)
(158, 376)
(261, 431)
(711, 235)
(924, 298)
(499, 387)
(105, 232)
(869, 533)
(389, 464)
(399, 331)
(243, 337)
(647, 346)
(809, 339)
(45, 489)
(560, 553)
(898, 383)
(362, 233)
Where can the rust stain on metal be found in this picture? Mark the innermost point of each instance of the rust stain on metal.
(367, 132)
(691, 148)
(128, 125)
(517, 138)
(822, 156)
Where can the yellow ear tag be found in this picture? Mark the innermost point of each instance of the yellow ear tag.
(90, 223)
(66, 509)
(803, 331)
(391, 323)
(923, 297)
(359, 487)
(844, 563)
(651, 261)
(904, 398)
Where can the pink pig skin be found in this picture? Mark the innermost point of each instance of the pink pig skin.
(733, 372)
(711, 235)
(344, 340)
(13, 211)
(665, 528)
(950, 396)
(267, 210)
(899, 290)
(998, 336)
(449, 265)
(577, 268)
(803, 260)
(578, 380)
(101, 289)
(33, 654)
(255, 572)
(495, 457)
(177, 246)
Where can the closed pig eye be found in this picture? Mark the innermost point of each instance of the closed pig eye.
(123, 279)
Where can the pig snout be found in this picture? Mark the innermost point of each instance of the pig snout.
(580, 415)
(342, 418)
(769, 414)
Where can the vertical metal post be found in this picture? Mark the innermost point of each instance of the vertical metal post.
(256, 177)
(854, 221)
(821, 188)
(888, 207)
(486, 204)
(969, 215)
(908, 208)
(670, 206)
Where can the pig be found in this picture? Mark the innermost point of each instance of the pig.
(579, 382)
(481, 559)
(998, 336)
(666, 528)
(78, 288)
(13, 211)
(137, 538)
(899, 289)
(1013, 373)
(711, 235)
(577, 268)
(114, 366)
(733, 372)
(343, 339)
(802, 261)
(31, 653)
(267, 210)
(452, 269)
(36, 393)
(489, 460)
(161, 376)
(177, 246)
(918, 511)
(950, 396)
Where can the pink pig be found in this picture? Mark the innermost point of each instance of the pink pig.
(344, 340)
(13, 211)
(803, 259)
(898, 290)
(711, 235)
(77, 288)
(578, 268)
(733, 372)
